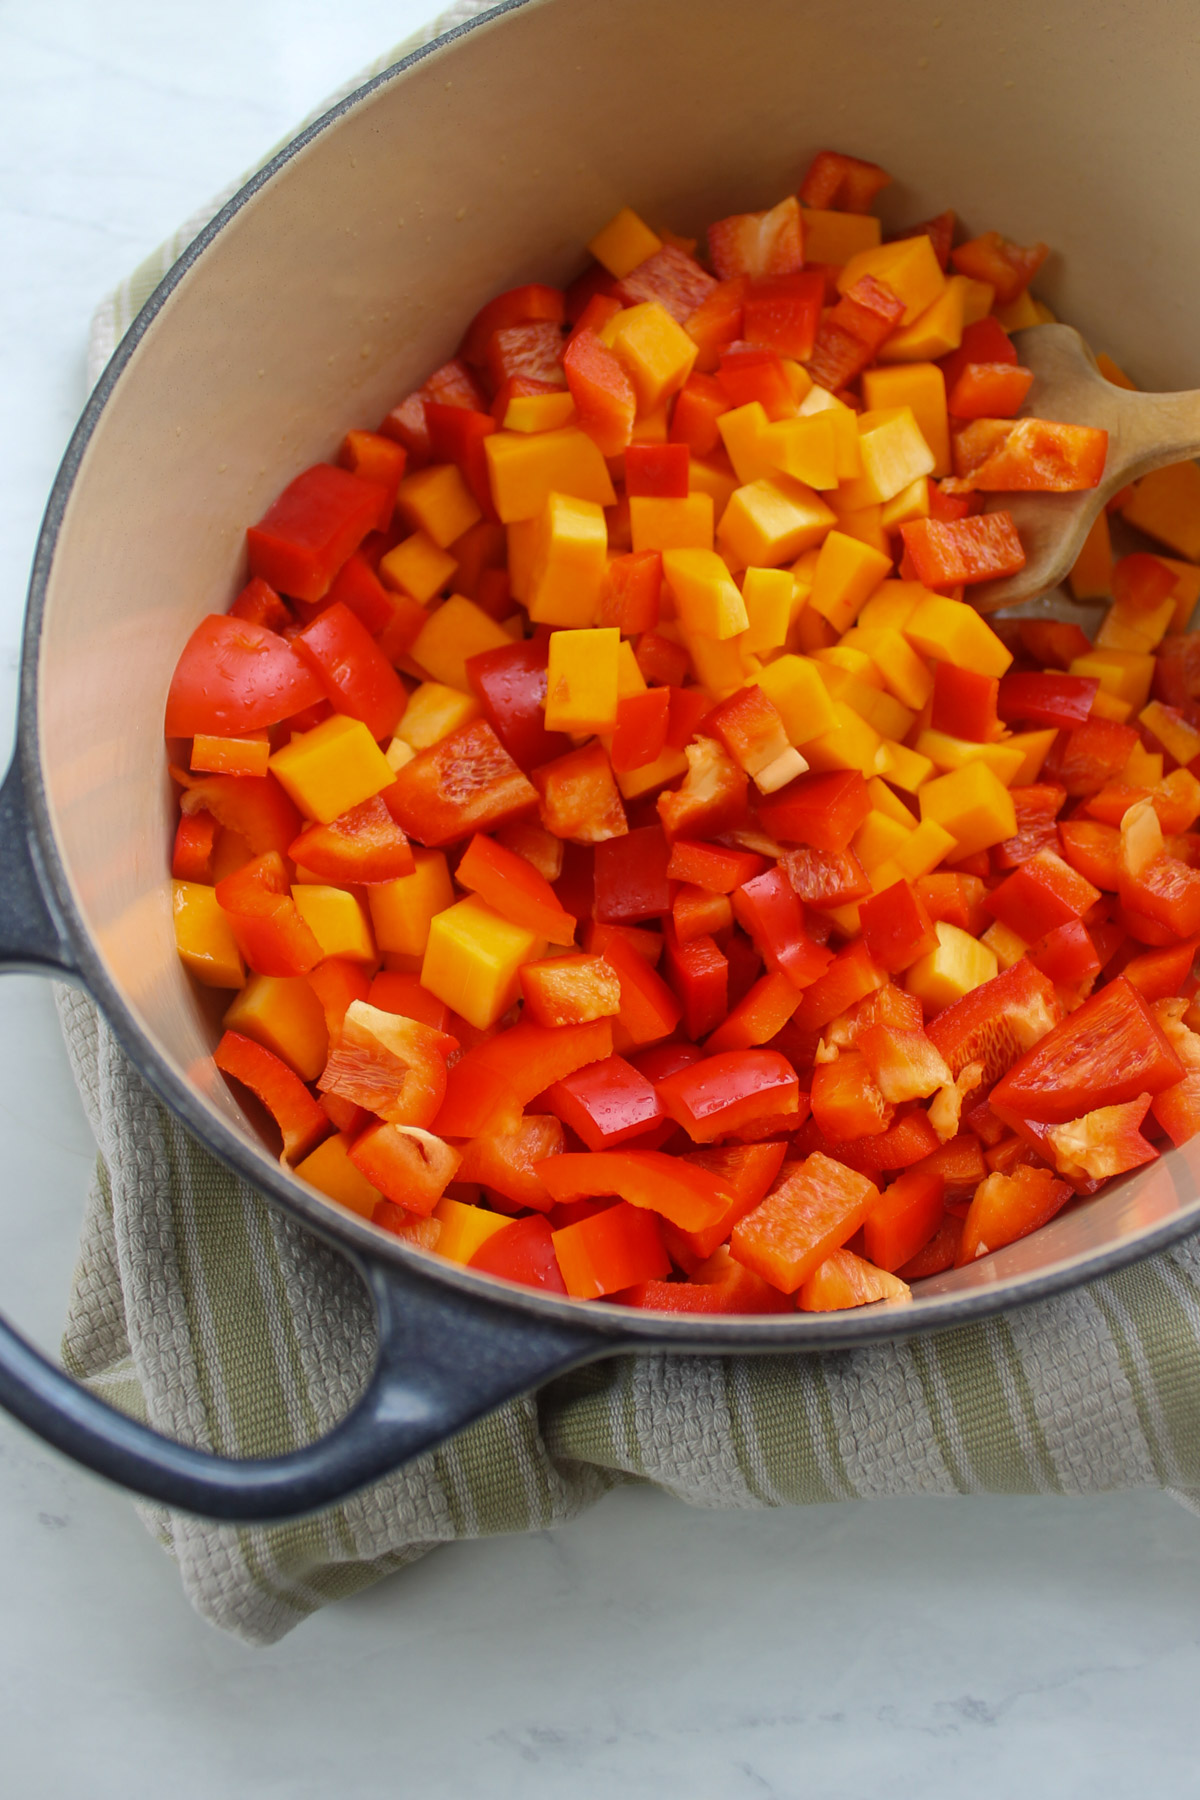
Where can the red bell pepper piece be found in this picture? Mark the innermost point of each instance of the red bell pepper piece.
(995, 1023)
(1042, 456)
(505, 1163)
(1037, 807)
(533, 303)
(747, 1171)
(606, 1103)
(718, 1096)
(1094, 850)
(841, 183)
(460, 785)
(1110, 1050)
(698, 406)
(605, 401)
(771, 912)
(364, 845)
(410, 1167)
(940, 232)
(851, 976)
(1008, 1207)
(822, 810)
(1102, 1143)
(259, 604)
(712, 797)
(488, 1086)
(649, 1010)
(336, 982)
(269, 930)
(1177, 668)
(756, 244)
(1053, 642)
(951, 897)
(1043, 893)
(389, 1064)
(451, 385)
(394, 991)
(896, 927)
(510, 685)
(300, 1120)
(852, 331)
(759, 1016)
(1007, 266)
(1161, 974)
(715, 324)
(1167, 893)
(1084, 759)
(689, 1196)
(191, 857)
(1047, 699)
(600, 310)
(661, 660)
(672, 279)
(712, 866)
(352, 669)
(457, 435)
(964, 703)
(846, 1103)
(904, 1219)
(985, 341)
(908, 1141)
(570, 990)
(534, 349)
(245, 755)
(357, 586)
(688, 706)
(816, 1206)
(939, 1254)
(697, 913)
(747, 373)
(704, 1297)
(1141, 582)
(234, 676)
(609, 1251)
(303, 539)
(522, 1252)
(698, 974)
(513, 887)
(1066, 954)
(826, 878)
(580, 799)
(641, 733)
(630, 596)
(989, 390)
(782, 312)
(983, 548)
(631, 877)
(659, 470)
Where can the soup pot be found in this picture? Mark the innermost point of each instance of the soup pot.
(327, 289)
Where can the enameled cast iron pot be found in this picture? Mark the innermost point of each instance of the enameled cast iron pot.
(328, 288)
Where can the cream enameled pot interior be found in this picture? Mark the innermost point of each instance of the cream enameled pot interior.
(350, 273)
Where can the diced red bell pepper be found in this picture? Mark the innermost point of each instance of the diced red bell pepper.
(1066, 954)
(715, 324)
(606, 1103)
(849, 978)
(905, 1065)
(390, 1064)
(1042, 456)
(259, 604)
(630, 596)
(534, 302)
(940, 232)
(1110, 1050)
(191, 857)
(1007, 266)
(984, 341)
(841, 183)
(910, 1139)
(757, 244)
(464, 783)
(649, 1009)
(1094, 850)
(716, 1097)
(1037, 807)
(570, 990)
(688, 706)
(234, 676)
(822, 810)
(845, 1101)
(300, 1120)
(375, 458)
(747, 374)
(747, 1171)
(248, 754)
(759, 1016)
(782, 313)
(1053, 642)
(263, 917)
(1166, 892)
(671, 279)
(700, 1297)
(352, 669)
(698, 405)
(457, 434)
(452, 385)
(712, 866)
(303, 539)
(1177, 668)
(960, 1163)
(852, 331)
(357, 586)
(1008, 1207)
(510, 685)
(698, 974)
(983, 548)
(904, 1219)
(364, 845)
(987, 390)
(409, 1166)
(1160, 974)
(641, 733)
(660, 659)
(1084, 759)
(534, 349)
(951, 897)
(1141, 582)
(522, 1252)
(939, 1254)
(505, 1163)
(771, 912)
(845, 1280)
(826, 878)
(997, 1022)
(488, 1086)
(712, 797)
(1043, 893)
(580, 799)
(337, 982)
(1102, 1143)
(1047, 699)
(605, 401)
(397, 992)
(609, 1251)
(657, 470)
(815, 1207)
(689, 1196)
(600, 310)
(896, 927)
(513, 887)
(631, 877)
(964, 703)
(697, 913)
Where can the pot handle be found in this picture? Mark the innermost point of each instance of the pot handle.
(445, 1357)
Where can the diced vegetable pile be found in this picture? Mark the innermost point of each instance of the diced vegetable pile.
(640, 872)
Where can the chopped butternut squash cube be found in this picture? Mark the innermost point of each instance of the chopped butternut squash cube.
(284, 1015)
(1125, 674)
(204, 937)
(846, 575)
(972, 804)
(662, 524)
(329, 1169)
(433, 712)
(582, 680)
(418, 567)
(454, 631)
(958, 965)
(331, 768)
(908, 266)
(771, 522)
(570, 560)
(656, 353)
(473, 960)
(438, 501)
(624, 242)
(525, 468)
(921, 386)
(706, 598)
(794, 685)
(464, 1228)
(950, 631)
(337, 919)
(402, 910)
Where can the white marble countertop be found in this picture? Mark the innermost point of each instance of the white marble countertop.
(907, 1648)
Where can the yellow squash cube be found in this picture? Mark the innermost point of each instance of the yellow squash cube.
(582, 680)
(539, 412)
(1004, 944)
(905, 768)
(950, 631)
(438, 501)
(910, 503)
(664, 771)
(473, 960)
(1091, 572)
(972, 804)
(656, 353)
(909, 266)
(525, 468)
(834, 237)
(1144, 768)
(652, 427)
(284, 1015)
(1035, 747)
(714, 477)
(630, 679)
(433, 712)
(1128, 628)
(1187, 591)
(742, 430)
(1021, 313)
(664, 524)
(331, 768)
(1125, 674)
(852, 744)
(878, 838)
(921, 386)
(771, 522)
(794, 685)
(464, 1228)
(883, 800)
(889, 718)
(958, 965)
(706, 598)
(804, 448)
(900, 669)
(894, 454)
(768, 596)
(892, 605)
(337, 919)
(819, 403)
(417, 567)
(329, 1169)
(1166, 505)
(847, 573)
(937, 330)
(720, 665)
(570, 561)
(402, 910)
(203, 937)
(624, 242)
(921, 853)
(1177, 737)
(454, 631)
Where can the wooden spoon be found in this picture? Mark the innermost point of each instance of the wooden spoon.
(1145, 431)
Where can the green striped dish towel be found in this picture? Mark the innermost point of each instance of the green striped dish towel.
(200, 1309)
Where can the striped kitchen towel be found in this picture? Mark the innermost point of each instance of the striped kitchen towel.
(200, 1309)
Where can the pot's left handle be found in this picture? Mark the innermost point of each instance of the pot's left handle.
(446, 1357)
